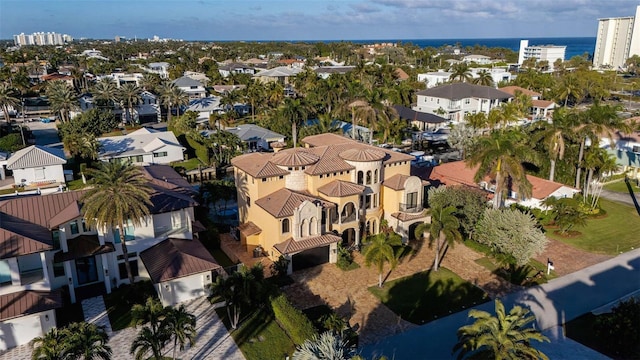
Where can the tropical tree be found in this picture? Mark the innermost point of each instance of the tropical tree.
(460, 72)
(380, 250)
(170, 96)
(323, 347)
(553, 135)
(105, 92)
(51, 346)
(484, 78)
(86, 341)
(62, 98)
(8, 98)
(182, 326)
(444, 227)
(501, 155)
(296, 112)
(155, 332)
(130, 94)
(84, 146)
(504, 336)
(150, 82)
(570, 87)
(120, 195)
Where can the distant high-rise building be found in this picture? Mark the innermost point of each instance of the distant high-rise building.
(549, 53)
(617, 40)
(41, 38)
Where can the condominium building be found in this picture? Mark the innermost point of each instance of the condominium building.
(549, 53)
(41, 38)
(617, 40)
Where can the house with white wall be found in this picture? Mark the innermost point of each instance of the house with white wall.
(142, 147)
(192, 87)
(478, 59)
(38, 166)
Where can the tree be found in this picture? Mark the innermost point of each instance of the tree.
(86, 341)
(469, 202)
(620, 329)
(105, 92)
(461, 138)
(444, 227)
(323, 347)
(380, 250)
(120, 195)
(130, 94)
(501, 155)
(484, 78)
(62, 98)
(182, 326)
(511, 232)
(155, 332)
(460, 72)
(51, 346)
(8, 98)
(171, 95)
(504, 336)
(295, 111)
(566, 213)
(552, 135)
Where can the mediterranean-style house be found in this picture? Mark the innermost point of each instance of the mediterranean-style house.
(455, 101)
(143, 146)
(457, 173)
(302, 202)
(46, 246)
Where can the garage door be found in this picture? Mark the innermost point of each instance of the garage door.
(310, 258)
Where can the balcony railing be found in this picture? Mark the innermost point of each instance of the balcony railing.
(168, 230)
(31, 276)
(411, 208)
(346, 219)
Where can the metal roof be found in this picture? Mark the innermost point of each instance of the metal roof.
(36, 156)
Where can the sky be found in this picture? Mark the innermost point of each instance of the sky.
(310, 19)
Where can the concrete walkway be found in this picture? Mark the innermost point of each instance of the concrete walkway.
(624, 198)
(561, 300)
(213, 340)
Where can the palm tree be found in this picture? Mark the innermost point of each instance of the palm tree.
(149, 82)
(504, 336)
(120, 194)
(87, 341)
(460, 72)
(8, 98)
(484, 78)
(500, 155)
(51, 346)
(84, 146)
(155, 332)
(570, 87)
(179, 98)
(105, 92)
(444, 227)
(553, 135)
(380, 250)
(182, 325)
(144, 342)
(325, 346)
(130, 95)
(62, 98)
(295, 111)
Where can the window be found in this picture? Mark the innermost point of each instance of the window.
(128, 234)
(137, 159)
(5, 273)
(74, 227)
(58, 269)
(412, 200)
(264, 179)
(122, 269)
(285, 226)
(360, 177)
(369, 177)
(467, 101)
(85, 226)
(248, 201)
(375, 176)
(160, 154)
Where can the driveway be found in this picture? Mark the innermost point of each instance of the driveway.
(45, 134)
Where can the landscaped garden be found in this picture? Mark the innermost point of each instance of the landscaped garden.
(429, 295)
(122, 299)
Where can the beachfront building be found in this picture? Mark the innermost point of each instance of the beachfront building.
(455, 101)
(302, 202)
(549, 53)
(617, 40)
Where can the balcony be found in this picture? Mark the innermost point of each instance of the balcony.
(346, 219)
(31, 276)
(411, 208)
(166, 231)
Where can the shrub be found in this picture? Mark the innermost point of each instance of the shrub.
(345, 259)
(620, 329)
(293, 321)
(280, 267)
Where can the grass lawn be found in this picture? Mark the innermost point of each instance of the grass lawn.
(122, 299)
(76, 184)
(429, 295)
(190, 164)
(614, 234)
(621, 186)
(260, 336)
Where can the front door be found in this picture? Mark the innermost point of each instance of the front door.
(87, 270)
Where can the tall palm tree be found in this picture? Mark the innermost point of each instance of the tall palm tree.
(295, 111)
(484, 78)
(444, 227)
(570, 87)
(87, 341)
(149, 82)
(500, 155)
(79, 145)
(130, 94)
(460, 72)
(144, 342)
(178, 98)
(105, 92)
(553, 135)
(8, 98)
(62, 98)
(120, 194)
(155, 332)
(182, 326)
(324, 346)
(51, 346)
(380, 250)
(504, 336)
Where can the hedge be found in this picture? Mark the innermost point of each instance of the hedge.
(293, 321)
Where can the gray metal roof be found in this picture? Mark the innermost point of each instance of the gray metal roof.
(248, 132)
(35, 156)
(186, 81)
(458, 91)
(141, 141)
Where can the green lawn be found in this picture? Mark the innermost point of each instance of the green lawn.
(122, 299)
(260, 336)
(190, 164)
(621, 186)
(429, 295)
(76, 184)
(614, 234)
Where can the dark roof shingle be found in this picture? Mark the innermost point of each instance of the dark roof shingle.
(175, 258)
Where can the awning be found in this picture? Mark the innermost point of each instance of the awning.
(83, 246)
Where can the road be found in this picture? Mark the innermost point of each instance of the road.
(561, 300)
(45, 134)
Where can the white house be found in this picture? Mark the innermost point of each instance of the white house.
(256, 137)
(281, 74)
(434, 78)
(235, 68)
(192, 87)
(45, 245)
(145, 111)
(143, 146)
(540, 109)
(160, 68)
(205, 107)
(455, 101)
(38, 166)
(478, 59)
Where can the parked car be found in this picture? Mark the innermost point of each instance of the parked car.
(441, 134)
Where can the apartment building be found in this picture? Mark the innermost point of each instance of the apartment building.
(549, 53)
(617, 40)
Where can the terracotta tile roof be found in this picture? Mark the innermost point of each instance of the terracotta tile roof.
(401, 74)
(175, 258)
(294, 157)
(340, 188)
(258, 165)
(283, 202)
(292, 246)
(35, 155)
(402, 216)
(28, 302)
(396, 182)
(512, 90)
(327, 140)
(249, 228)
(542, 103)
(543, 188)
(83, 246)
(363, 155)
(196, 226)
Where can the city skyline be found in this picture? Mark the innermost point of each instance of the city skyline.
(309, 19)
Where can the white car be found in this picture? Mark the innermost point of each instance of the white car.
(441, 134)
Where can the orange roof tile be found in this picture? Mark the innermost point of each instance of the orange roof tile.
(396, 182)
(340, 188)
(249, 228)
(283, 202)
(513, 89)
(291, 246)
(542, 103)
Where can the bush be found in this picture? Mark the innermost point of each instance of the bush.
(293, 321)
(345, 259)
(620, 329)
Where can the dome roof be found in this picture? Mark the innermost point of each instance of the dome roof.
(294, 157)
(362, 155)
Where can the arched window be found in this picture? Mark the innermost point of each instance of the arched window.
(369, 177)
(375, 176)
(304, 228)
(285, 226)
(313, 224)
(360, 177)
